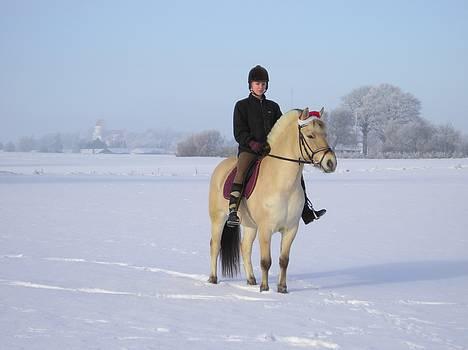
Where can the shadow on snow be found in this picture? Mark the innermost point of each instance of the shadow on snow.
(401, 272)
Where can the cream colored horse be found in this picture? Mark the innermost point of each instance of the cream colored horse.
(276, 203)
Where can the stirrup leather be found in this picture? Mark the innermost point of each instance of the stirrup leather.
(233, 220)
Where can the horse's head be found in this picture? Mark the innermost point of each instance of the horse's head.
(313, 141)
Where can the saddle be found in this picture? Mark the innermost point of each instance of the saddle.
(249, 182)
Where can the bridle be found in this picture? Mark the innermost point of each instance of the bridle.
(307, 150)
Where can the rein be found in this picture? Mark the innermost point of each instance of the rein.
(305, 148)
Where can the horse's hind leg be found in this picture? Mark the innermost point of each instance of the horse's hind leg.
(286, 241)
(215, 245)
(248, 238)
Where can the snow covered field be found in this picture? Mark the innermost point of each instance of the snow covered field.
(112, 252)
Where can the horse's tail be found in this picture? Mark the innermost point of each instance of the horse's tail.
(230, 242)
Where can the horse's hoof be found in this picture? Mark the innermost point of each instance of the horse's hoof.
(282, 289)
(264, 288)
(213, 279)
(252, 281)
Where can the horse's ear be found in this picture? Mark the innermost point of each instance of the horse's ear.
(321, 112)
(305, 114)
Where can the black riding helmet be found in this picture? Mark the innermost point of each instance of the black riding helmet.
(258, 73)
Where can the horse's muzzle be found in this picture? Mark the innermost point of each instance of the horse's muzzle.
(328, 163)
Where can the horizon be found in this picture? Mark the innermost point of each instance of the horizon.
(182, 65)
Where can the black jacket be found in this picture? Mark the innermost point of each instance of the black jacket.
(253, 120)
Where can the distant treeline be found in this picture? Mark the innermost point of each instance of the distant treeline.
(371, 121)
(74, 142)
(208, 143)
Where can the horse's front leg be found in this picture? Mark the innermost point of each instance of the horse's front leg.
(265, 257)
(286, 241)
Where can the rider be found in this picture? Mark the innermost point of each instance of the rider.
(254, 117)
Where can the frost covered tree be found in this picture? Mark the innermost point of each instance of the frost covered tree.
(355, 102)
(375, 106)
(207, 143)
(464, 146)
(340, 127)
(414, 137)
(446, 140)
(210, 143)
(1, 146)
(388, 103)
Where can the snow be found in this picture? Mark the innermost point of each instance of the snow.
(112, 252)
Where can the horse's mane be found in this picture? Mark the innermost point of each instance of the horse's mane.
(281, 124)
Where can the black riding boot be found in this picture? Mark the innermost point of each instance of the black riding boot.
(308, 212)
(234, 200)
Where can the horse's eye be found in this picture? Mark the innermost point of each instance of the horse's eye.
(311, 136)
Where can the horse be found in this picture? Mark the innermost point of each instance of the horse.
(276, 203)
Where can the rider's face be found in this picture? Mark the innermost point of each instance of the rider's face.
(258, 87)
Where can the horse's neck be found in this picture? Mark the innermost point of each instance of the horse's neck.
(286, 143)
(285, 174)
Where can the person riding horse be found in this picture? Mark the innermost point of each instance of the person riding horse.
(254, 118)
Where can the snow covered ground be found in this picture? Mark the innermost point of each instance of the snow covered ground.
(112, 252)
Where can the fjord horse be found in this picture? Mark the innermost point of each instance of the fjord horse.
(277, 201)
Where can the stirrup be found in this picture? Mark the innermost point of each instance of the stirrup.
(233, 220)
(319, 213)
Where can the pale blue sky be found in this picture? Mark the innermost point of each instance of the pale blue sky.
(183, 64)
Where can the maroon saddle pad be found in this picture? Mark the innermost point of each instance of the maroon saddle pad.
(249, 183)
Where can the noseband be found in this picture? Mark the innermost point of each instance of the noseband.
(307, 150)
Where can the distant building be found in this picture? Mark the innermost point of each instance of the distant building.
(92, 150)
(118, 150)
(148, 150)
(348, 149)
(98, 130)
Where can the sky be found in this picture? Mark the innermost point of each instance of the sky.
(182, 65)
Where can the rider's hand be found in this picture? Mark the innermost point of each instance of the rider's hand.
(256, 146)
(261, 148)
